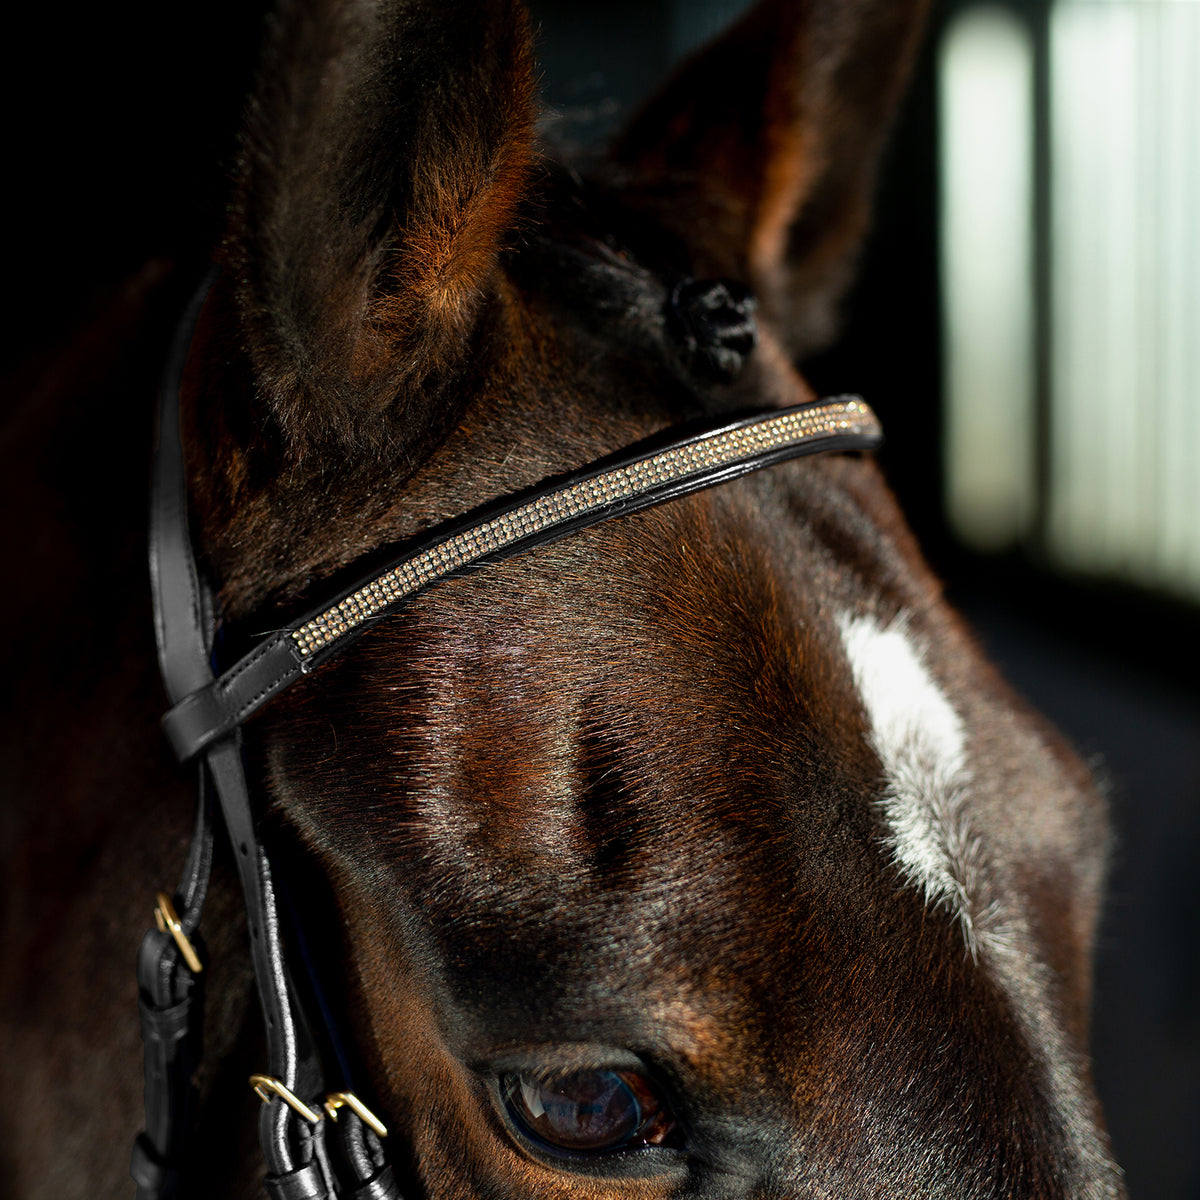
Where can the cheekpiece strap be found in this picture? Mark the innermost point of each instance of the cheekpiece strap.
(171, 959)
(170, 968)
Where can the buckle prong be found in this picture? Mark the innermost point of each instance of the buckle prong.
(267, 1087)
(168, 921)
(336, 1100)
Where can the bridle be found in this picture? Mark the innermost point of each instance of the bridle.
(318, 1143)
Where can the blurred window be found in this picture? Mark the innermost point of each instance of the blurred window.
(1071, 270)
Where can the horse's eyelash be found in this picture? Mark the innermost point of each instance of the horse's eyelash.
(547, 1072)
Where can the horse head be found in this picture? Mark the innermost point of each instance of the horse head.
(701, 852)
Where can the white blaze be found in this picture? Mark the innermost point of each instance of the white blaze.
(920, 741)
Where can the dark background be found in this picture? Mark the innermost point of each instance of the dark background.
(118, 142)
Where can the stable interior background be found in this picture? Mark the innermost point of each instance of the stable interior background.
(1034, 359)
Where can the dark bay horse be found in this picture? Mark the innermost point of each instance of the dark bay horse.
(699, 853)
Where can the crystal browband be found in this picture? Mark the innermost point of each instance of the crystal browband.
(597, 492)
(637, 478)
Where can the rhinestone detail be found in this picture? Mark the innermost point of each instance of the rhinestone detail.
(669, 466)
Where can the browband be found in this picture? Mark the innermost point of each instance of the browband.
(652, 472)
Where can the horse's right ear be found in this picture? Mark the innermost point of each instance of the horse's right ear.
(385, 152)
(759, 156)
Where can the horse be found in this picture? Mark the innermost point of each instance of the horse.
(699, 852)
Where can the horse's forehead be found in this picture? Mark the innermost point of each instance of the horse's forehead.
(679, 699)
(718, 670)
(703, 783)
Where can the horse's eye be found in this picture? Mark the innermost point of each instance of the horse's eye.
(586, 1111)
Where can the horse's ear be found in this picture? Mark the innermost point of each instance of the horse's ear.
(385, 152)
(760, 153)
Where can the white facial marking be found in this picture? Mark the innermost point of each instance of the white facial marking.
(919, 739)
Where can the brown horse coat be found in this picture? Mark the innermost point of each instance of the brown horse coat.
(721, 797)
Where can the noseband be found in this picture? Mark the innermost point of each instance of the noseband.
(318, 1143)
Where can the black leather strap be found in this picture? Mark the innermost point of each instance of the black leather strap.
(214, 711)
(291, 1053)
(171, 1008)
(183, 613)
(171, 1036)
(297, 1165)
(153, 1176)
(170, 994)
(170, 999)
(356, 1148)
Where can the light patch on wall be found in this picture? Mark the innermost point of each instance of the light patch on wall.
(694, 22)
(986, 130)
(1124, 487)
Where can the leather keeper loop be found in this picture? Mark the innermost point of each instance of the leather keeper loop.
(165, 1026)
(306, 1183)
(155, 1179)
(382, 1187)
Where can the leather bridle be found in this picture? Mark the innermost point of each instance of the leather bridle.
(318, 1143)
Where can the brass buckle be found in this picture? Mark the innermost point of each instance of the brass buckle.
(266, 1087)
(168, 921)
(336, 1100)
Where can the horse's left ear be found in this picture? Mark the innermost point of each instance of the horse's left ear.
(385, 152)
(760, 154)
